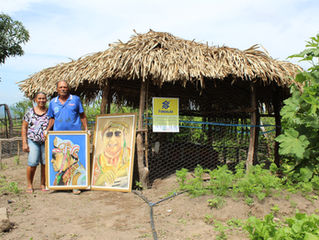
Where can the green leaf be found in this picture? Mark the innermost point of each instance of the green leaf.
(292, 143)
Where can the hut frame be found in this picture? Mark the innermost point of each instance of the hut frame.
(160, 64)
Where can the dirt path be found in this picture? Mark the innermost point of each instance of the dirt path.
(117, 216)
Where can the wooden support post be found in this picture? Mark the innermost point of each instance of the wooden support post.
(252, 152)
(146, 121)
(142, 170)
(276, 104)
(105, 97)
(108, 111)
(7, 112)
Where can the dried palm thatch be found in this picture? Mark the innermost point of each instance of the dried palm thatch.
(160, 58)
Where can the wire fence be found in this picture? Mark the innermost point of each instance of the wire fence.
(209, 144)
(206, 143)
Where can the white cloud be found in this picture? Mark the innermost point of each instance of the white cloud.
(62, 29)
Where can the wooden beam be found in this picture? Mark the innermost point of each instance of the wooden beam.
(142, 169)
(252, 152)
(105, 97)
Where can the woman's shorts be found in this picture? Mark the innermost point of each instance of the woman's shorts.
(36, 154)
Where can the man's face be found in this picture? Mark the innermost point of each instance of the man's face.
(113, 140)
(63, 89)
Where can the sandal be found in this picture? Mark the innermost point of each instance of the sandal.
(76, 191)
(44, 189)
(29, 190)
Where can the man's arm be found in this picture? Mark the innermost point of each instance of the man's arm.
(50, 125)
(84, 121)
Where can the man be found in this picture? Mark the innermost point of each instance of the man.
(66, 112)
(65, 162)
(112, 165)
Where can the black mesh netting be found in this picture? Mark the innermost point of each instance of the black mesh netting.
(209, 144)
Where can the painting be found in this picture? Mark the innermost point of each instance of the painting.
(113, 158)
(67, 160)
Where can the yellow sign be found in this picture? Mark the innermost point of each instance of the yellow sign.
(165, 106)
(165, 115)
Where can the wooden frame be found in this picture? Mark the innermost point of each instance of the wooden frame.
(67, 160)
(113, 155)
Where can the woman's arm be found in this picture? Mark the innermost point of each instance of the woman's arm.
(24, 130)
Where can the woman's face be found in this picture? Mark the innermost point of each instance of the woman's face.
(40, 100)
(113, 140)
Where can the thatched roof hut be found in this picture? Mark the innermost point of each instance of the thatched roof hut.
(210, 81)
(163, 58)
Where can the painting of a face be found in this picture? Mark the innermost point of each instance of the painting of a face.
(57, 160)
(113, 140)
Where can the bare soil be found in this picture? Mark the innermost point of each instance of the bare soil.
(117, 215)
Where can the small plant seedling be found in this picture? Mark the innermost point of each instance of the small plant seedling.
(215, 202)
(138, 185)
(209, 219)
(275, 209)
(17, 160)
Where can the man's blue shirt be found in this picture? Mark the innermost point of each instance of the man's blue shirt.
(66, 116)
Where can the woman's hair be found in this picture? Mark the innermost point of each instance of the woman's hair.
(35, 96)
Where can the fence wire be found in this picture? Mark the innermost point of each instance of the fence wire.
(209, 144)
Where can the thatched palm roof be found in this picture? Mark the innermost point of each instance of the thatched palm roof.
(161, 57)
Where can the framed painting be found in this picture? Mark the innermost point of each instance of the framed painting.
(113, 154)
(67, 160)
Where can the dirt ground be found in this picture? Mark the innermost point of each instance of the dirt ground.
(117, 216)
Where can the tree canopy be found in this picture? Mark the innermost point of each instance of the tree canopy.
(12, 36)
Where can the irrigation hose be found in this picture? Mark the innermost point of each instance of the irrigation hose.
(151, 208)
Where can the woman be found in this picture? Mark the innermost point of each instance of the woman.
(35, 122)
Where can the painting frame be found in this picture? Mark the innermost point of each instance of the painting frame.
(113, 152)
(67, 156)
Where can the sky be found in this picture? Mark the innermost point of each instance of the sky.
(62, 30)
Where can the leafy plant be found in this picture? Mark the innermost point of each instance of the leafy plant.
(6, 186)
(17, 160)
(299, 142)
(216, 202)
(301, 226)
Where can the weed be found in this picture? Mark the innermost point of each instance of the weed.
(138, 185)
(6, 187)
(216, 202)
(3, 166)
(275, 209)
(301, 226)
(17, 160)
(209, 219)
(293, 204)
(219, 227)
(182, 221)
(145, 235)
(237, 223)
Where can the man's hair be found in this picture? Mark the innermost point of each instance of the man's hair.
(57, 83)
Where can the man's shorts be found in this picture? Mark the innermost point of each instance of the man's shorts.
(36, 154)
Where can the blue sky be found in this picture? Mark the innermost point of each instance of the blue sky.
(61, 30)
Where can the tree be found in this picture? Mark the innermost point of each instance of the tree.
(12, 35)
(21, 107)
(300, 139)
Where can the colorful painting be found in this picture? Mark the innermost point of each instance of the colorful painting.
(67, 160)
(113, 159)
